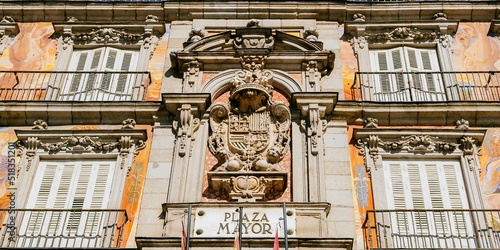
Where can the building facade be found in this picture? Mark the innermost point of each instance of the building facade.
(225, 125)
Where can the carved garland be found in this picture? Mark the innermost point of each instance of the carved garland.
(107, 36)
(81, 144)
(414, 144)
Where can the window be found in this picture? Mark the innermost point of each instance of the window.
(67, 190)
(423, 186)
(100, 74)
(406, 74)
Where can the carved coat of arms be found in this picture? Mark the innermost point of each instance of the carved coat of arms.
(250, 136)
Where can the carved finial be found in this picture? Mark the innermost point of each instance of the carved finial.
(71, 19)
(462, 124)
(358, 17)
(152, 19)
(7, 19)
(440, 16)
(371, 123)
(40, 124)
(128, 123)
(197, 34)
(254, 23)
(311, 34)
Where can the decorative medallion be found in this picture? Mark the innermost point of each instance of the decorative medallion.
(249, 137)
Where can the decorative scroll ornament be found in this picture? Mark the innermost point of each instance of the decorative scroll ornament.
(152, 19)
(358, 17)
(249, 136)
(467, 144)
(402, 33)
(440, 16)
(371, 123)
(106, 35)
(314, 126)
(7, 19)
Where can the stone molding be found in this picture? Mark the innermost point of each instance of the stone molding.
(105, 141)
(375, 142)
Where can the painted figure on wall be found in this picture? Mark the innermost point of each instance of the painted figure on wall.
(475, 49)
(490, 181)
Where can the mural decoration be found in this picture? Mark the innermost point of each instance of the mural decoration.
(490, 170)
(474, 50)
(133, 184)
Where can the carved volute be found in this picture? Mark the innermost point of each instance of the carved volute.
(250, 136)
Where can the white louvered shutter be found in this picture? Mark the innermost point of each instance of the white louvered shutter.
(68, 185)
(425, 185)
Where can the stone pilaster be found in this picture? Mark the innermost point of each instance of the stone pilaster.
(314, 109)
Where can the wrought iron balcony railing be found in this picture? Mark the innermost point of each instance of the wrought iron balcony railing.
(73, 86)
(62, 228)
(426, 86)
(432, 228)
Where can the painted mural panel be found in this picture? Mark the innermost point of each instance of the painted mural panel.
(349, 64)
(490, 168)
(474, 50)
(134, 182)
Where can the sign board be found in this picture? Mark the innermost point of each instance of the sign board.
(256, 222)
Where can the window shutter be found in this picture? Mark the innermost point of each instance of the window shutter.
(77, 77)
(122, 79)
(109, 65)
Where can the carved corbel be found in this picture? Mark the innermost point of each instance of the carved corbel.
(371, 143)
(31, 147)
(467, 144)
(186, 125)
(313, 75)
(191, 72)
(317, 126)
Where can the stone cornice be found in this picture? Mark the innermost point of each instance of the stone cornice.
(38, 11)
(479, 114)
(75, 113)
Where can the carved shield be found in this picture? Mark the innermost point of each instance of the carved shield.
(249, 134)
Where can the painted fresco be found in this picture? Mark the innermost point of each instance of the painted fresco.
(474, 50)
(133, 184)
(490, 169)
(33, 50)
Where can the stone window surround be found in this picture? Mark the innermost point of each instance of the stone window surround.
(37, 145)
(377, 144)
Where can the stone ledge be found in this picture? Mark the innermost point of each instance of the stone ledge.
(479, 114)
(17, 113)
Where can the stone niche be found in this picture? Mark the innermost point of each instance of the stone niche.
(250, 137)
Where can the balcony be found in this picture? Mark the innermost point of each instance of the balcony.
(426, 86)
(62, 228)
(73, 86)
(436, 229)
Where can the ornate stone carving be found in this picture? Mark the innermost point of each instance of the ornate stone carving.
(462, 124)
(106, 35)
(191, 72)
(186, 125)
(313, 75)
(254, 40)
(71, 19)
(440, 16)
(254, 23)
(358, 17)
(371, 123)
(7, 19)
(152, 19)
(402, 33)
(128, 123)
(80, 144)
(249, 136)
(40, 124)
(467, 145)
(311, 34)
(197, 34)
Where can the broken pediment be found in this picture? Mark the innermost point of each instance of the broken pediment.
(222, 51)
